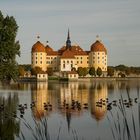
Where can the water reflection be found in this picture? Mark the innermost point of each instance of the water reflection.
(69, 99)
(9, 126)
(76, 106)
(98, 94)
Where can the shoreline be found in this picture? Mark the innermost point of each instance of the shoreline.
(81, 79)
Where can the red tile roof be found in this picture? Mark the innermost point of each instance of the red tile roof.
(98, 47)
(38, 47)
(67, 54)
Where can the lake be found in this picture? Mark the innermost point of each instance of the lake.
(95, 110)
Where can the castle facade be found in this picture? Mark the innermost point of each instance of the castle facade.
(69, 56)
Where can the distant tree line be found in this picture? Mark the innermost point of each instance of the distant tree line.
(121, 70)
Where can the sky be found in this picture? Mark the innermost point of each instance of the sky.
(117, 22)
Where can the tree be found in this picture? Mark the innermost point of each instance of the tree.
(92, 71)
(110, 71)
(80, 71)
(9, 48)
(122, 75)
(50, 71)
(99, 71)
(127, 71)
(85, 71)
(21, 71)
(36, 70)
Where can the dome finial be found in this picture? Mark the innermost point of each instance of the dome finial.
(47, 42)
(38, 37)
(97, 37)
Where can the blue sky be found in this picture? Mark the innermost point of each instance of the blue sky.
(117, 22)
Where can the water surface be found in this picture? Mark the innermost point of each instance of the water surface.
(70, 110)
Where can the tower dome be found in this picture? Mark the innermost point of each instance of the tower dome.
(48, 49)
(38, 47)
(98, 47)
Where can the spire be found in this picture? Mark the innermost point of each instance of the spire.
(68, 42)
(68, 34)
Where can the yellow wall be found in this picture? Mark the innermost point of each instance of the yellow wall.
(82, 60)
(38, 59)
(98, 59)
(94, 59)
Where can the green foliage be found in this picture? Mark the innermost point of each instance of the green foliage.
(110, 71)
(9, 48)
(121, 68)
(36, 70)
(21, 71)
(27, 67)
(80, 71)
(73, 69)
(127, 71)
(85, 71)
(122, 75)
(50, 71)
(92, 71)
(9, 126)
(99, 71)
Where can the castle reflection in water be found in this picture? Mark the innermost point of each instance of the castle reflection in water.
(62, 97)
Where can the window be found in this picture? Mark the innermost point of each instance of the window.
(63, 61)
(36, 57)
(87, 57)
(81, 57)
(70, 75)
(77, 62)
(63, 65)
(98, 53)
(87, 62)
(102, 57)
(98, 61)
(102, 53)
(40, 62)
(40, 53)
(74, 75)
(77, 57)
(81, 62)
(67, 61)
(43, 75)
(71, 61)
(36, 62)
(98, 57)
(71, 65)
(40, 57)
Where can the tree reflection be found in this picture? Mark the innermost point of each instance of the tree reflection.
(9, 126)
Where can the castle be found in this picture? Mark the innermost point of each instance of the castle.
(69, 56)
